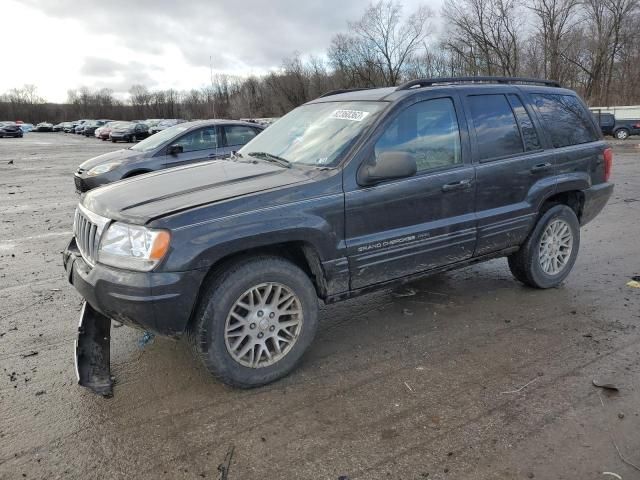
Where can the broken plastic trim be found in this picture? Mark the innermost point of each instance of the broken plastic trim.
(92, 352)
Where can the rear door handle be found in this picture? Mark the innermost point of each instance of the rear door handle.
(461, 185)
(541, 167)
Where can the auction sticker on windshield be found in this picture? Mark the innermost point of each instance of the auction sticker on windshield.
(355, 115)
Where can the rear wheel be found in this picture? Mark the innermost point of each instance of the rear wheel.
(549, 253)
(622, 134)
(255, 321)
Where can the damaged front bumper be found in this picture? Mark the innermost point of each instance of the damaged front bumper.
(93, 351)
(158, 302)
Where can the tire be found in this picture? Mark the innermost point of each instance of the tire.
(210, 338)
(526, 265)
(621, 134)
(113, 140)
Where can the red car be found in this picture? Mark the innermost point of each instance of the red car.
(105, 130)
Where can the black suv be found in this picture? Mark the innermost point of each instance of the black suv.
(618, 128)
(354, 191)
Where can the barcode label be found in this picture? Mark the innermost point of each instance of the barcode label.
(354, 115)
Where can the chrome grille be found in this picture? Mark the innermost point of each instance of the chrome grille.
(88, 228)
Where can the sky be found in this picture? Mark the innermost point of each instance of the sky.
(66, 44)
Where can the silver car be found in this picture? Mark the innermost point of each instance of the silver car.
(178, 145)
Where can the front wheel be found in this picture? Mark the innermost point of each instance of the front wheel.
(622, 134)
(549, 253)
(255, 321)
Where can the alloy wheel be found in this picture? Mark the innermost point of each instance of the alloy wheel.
(556, 245)
(263, 325)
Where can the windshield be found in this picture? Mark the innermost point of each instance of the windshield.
(154, 141)
(315, 134)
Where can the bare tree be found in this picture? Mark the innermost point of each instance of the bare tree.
(555, 22)
(603, 29)
(486, 34)
(381, 43)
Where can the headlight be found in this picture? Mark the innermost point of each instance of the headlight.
(104, 168)
(133, 247)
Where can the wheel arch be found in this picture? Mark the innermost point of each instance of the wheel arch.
(138, 171)
(301, 253)
(573, 199)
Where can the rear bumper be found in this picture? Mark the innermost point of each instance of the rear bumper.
(595, 198)
(158, 302)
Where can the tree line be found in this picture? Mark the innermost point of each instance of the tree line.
(591, 46)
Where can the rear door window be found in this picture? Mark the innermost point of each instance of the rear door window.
(497, 133)
(565, 118)
(238, 134)
(528, 130)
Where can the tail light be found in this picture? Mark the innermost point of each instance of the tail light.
(608, 163)
(637, 125)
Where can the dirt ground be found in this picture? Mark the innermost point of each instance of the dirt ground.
(472, 377)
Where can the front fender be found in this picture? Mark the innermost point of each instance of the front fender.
(319, 223)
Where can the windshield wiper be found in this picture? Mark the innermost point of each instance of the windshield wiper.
(269, 157)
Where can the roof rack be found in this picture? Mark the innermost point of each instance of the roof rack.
(428, 82)
(341, 90)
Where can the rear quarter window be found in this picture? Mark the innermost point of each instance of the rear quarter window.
(565, 119)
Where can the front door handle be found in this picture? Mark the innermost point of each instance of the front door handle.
(461, 185)
(541, 167)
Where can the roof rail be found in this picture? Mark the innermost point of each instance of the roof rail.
(428, 82)
(341, 90)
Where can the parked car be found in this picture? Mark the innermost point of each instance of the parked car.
(70, 127)
(105, 131)
(624, 128)
(152, 122)
(44, 127)
(91, 126)
(615, 127)
(349, 193)
(163, 124)
(58, 127)
(129, 132)
(179, 145)
(10, 129)
(79, 130)
(26, 127)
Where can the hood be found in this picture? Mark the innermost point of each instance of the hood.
(118, 156)
(144, 198)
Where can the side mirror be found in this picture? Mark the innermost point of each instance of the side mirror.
(387, 166)
(174, 149)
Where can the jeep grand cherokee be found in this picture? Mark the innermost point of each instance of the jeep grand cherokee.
(351, 192)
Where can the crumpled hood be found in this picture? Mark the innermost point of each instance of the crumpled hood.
(118, 156)
(143, 198)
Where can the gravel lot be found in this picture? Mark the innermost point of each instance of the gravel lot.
(474, 376)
